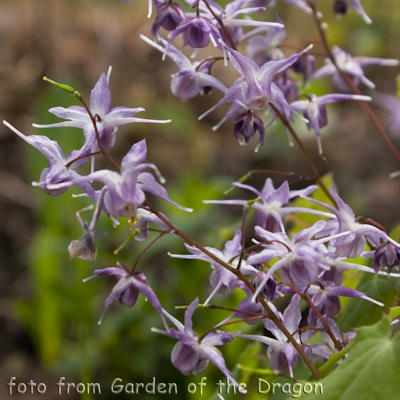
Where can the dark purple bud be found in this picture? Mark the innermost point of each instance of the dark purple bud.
(305, 65)
(169, 16)
(196, 31)
(247, 124)
(386, 255)
(340, 7)
(269, 288)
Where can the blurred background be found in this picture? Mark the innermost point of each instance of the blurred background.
(48, 317)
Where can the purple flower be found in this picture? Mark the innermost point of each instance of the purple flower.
(282, 354)
(247, 124)
(222, 280)
(124, 191)
(190, 80)
(229, 17)
(314, 110)
(264, 48)
(256, 89)
(189, 355)
(271, 3)
(169, 16)
(57, 172)
(353, 66)
(326, 299)
(352, 244)
(269, 209)
(107, 120)
(128, 287)
(387, 255)
(196, 32)
(392, 104)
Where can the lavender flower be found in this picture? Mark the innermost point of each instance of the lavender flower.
(128, 287)
(222, 280)
(169, 16)
(269, 208)
(190, 80)
(107, 120)
(314, 110)
(124, 191)
(60, 170)
(192, 356)
(353, 66)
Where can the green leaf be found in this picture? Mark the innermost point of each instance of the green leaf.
(371, 371)
(360, 312)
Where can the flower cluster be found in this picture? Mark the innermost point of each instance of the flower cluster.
(307, 265)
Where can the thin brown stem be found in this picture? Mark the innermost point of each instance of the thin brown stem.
(320, 316)
(241, 277)
(221, 24)
(378, 126)
(101, 147)
(305, 154)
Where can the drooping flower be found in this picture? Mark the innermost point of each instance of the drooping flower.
(352, 244)
(190, 80)
(60, 169)
(269, 208)
(353, 66)
(107, 120)
(314, 110)
(256, 89)
(282, 354)
(222, 280)
(124, 191)
(169, 16)
(128, 287)
(189, 355)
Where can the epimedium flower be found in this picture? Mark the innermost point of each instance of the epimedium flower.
(352, 244)
(128, 287)
(256, 89)
(192, 356)
(124, 191)
(282, 354)
(232, 23)
(269, 208)
(222, 280)
(315, 111)
(353, 66)
(107, 120)
(61, 169)
(169, 16)
(190, 80)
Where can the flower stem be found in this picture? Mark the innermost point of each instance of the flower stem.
(241, 277)
(305, 154)
(353, 87)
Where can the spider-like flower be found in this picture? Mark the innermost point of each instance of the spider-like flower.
(353, 66)
(190, 355)
(107, 120)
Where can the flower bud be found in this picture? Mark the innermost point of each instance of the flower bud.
(247, 124)
(305, 65)
(386, 255)
(169, 16)
(340, 7)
